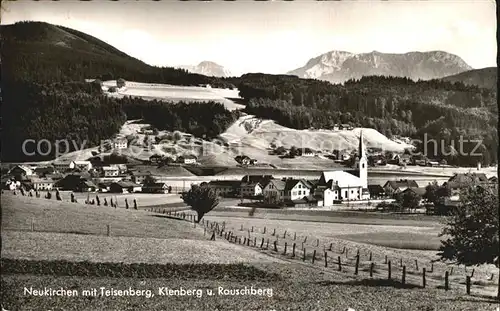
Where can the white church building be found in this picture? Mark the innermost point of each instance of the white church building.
(352, 185)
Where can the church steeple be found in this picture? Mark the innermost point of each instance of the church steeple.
(362, 162)
(361, 150)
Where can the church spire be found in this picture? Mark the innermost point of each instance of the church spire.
(362, 150)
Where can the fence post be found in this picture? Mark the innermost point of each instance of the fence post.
(346, 252)
(357, 265)
(275, 246)
(314, 256)
(264, 230)
(262, 243)
(472, 274)
(254, 241)
(274, 232)
(107, 230)
(451, 271)
(284, 252)
(432, 267)
(213, 237)
(241, 229)
(467, 284)
(371, 269)
(244, 240)
(403, 278)
(267, 244)
(340, 264)
(389, 270)
(416, 264)
(370, 259)
(284, 235)
(317, 242)
(248, 242)
(385, 260)
(304, 255)
(446, 285)
(293, 250)
(330, 248)
(326, 259)
(252, 228)
(423, 277)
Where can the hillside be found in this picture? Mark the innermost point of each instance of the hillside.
(485, 77)
(42, 52)
(208, 68)
(340, 66)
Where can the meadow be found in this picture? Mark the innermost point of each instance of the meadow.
(58, 244)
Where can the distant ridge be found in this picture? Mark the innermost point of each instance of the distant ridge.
(485, 77)
(340, 66)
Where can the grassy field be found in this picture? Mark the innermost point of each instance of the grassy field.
(148, 251)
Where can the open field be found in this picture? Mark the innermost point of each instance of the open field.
(174, 93)
(77, 233)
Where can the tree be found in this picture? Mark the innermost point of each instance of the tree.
(49, 195)
(435, 193)
(408, 199)
(202, 199)
(473, 229)
(120, 82)
(58, 196)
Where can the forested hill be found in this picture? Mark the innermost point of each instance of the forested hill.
(394, 106)
(42, 52)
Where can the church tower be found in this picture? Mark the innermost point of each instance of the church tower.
(362, 162)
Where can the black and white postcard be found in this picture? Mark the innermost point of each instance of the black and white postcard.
(249, 155)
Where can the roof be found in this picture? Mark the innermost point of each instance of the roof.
(343, 179)
(278, 184)
(110, 168)
(23, 167)
(148, 173)
(189, 156)
(417, 190)
(467, 178)
(156, 185)
(126, 184)
(252, 184)
(81, 162)
(88, 183)
(290, 183)
(225, 183)
(401, 183)
(41, 180)
(374, 189)
(257, 178)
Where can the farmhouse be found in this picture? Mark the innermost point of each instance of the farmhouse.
(376, 191)
(61, 166)
(155, 188)
(85, 186)
(20, 171)
(286, 190)
(81, 165)
(120, 143)
(42, 183)
(308, 152)
(110, 171)
(251, 189)
(140, 177)
(124, 187)
(187, 159)
(43, 171)
(396, 186)
(460, 181)
(345, 185)
(225, 187)
(262, 179)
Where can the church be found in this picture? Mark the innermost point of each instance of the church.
(351, 185)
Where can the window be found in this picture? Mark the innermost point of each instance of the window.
(300, 192)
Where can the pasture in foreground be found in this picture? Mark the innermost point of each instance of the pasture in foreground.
(143, 237)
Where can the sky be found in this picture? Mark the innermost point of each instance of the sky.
(274, 36)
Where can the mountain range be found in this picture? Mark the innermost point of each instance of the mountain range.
(208, 68)
(340, 66)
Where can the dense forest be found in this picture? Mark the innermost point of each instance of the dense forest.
(422, 110)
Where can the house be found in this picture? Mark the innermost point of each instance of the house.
(155, 158)
(10, 184)
(140, 177)
(20, 171)
(110, 171)
(120, 143)
(187, 159)
(43, 171)
(155, 188)
(225, 187)
(124, 187)
(103, 186)
(396, 186)
(61, 166)
(418, 191)
(42, 183)
(262, 179)
(463, 180)
(376, 191)
(81, 165)
(252, 189)
(308, 152)
(85, 186)
(282, 190)
(345, 185)
(72, 181)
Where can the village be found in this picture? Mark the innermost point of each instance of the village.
(337, 189)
